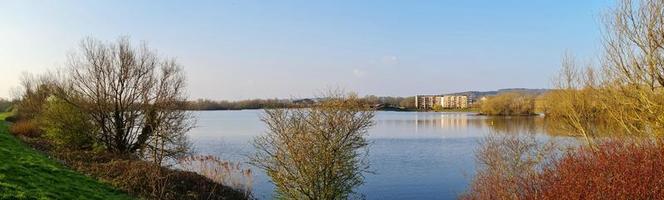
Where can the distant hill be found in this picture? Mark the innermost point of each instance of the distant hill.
(480, 94)
(525, 90)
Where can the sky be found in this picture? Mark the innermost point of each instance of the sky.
(242, 49)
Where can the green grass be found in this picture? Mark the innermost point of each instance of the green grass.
(28, 174)
(3, 116)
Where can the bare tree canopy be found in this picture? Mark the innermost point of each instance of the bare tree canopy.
(317, 152)
(625, 95)
(634, 41)
(132, 95)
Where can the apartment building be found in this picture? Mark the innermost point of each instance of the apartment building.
(457, 101)
(427, 102)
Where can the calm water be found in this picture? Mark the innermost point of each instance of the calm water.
(414, 155)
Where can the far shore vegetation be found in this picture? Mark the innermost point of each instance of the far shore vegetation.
(384, 103)
(508, 104)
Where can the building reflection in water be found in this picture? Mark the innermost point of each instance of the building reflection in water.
(459, 123)
(430, 120)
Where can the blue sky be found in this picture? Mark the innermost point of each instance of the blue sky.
(266, 49)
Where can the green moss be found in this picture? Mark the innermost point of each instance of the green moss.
(28, 174)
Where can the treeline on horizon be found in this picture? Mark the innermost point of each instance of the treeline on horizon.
(381, 102)
(5, 104)
(208, 104)
(369, 100)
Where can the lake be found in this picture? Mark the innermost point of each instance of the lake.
(413, 155)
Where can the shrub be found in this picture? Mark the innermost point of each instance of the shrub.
(12, 119)
(408, 103)
(508, 166)
(34, 91)
(437, 108)
(613, 170)
(25, 128)
(66, 126)
(509, 103)
(38, 143)
(316, 153)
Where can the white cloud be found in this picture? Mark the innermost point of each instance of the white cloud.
(390, 60)
(358, 73)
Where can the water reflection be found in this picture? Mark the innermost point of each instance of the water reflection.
(515, 125)
(423, 122)
(416, 155)
(444, 120)
(427, 120)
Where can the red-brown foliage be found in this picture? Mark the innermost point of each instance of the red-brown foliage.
(614, 170)
(25, 128)
(508, 167)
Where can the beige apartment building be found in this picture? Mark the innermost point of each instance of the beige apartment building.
(427, 102)
(459, 101)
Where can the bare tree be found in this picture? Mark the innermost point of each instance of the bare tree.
(135, 98)
(509, 166)
(575, 105)
(634, 41)
(317, 152)
(33, 93)
(626, 96)
(634, 66)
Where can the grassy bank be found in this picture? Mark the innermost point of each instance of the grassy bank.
(28, 174)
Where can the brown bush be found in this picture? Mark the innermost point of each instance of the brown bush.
(25, 128)
(615, 170)
(612, 169)
(38, 143)
(78, 157)
(146, 180)
(508, 166)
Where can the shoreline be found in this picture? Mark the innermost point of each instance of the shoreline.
(386, 110)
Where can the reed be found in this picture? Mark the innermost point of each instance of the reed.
(228, 173)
